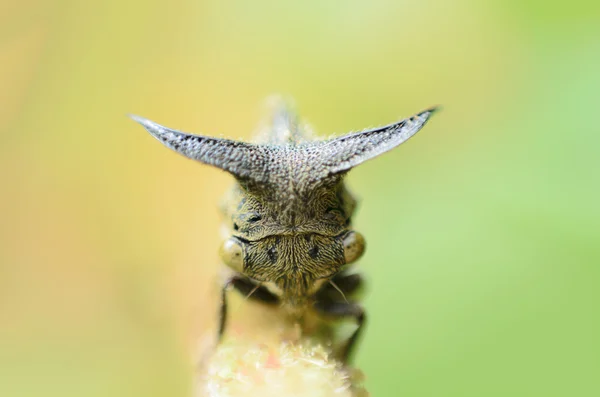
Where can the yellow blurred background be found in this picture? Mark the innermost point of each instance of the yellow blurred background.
(483, 232)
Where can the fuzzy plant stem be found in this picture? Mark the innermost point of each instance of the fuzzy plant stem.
(262, 355)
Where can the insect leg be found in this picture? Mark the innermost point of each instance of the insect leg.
(223, 307)
(343, 309)
(247, 288)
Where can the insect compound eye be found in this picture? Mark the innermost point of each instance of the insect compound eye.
(354, 246)
(232, 254)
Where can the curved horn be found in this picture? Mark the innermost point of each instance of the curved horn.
(242, 160)
(350, 150)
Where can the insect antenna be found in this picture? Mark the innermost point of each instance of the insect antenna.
(338, 289)
(251, 292)
(247, 296)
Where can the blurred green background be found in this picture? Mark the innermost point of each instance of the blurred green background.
(483, 232)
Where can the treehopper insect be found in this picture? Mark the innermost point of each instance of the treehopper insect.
(289, 214)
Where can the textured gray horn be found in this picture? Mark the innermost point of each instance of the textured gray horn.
(343, 153)
(242, 160)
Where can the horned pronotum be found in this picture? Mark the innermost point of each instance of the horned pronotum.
(290, 214)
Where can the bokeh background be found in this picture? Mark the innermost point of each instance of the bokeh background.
(483, 231)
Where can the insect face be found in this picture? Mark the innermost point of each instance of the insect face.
(290, 237)
(293, 263)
